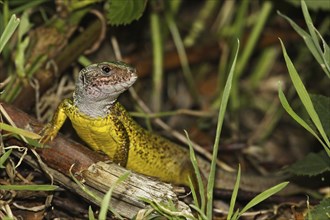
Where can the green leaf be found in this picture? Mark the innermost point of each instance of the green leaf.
(90, 213)
(29, 187)
(304, 97)
(322, 210)
(9, 30)
(326, 53)
(264, 195)
(311, 39)
(297, 118)
(4, 157)
(24, 26)
(234, 196)
(221, 116)
(307, 38)
(236, 215)
(20, 57)
(121, 12)
(312, 165)
(310, 26)
(315, 37)
(322, 106)
(19, 131)
(19, 7)
(198, 176)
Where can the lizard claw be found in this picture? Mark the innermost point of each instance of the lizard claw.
(47, 134)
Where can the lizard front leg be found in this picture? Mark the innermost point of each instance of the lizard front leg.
(121, 137)
(50, 131)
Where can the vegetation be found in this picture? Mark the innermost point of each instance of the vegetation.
(220, 58)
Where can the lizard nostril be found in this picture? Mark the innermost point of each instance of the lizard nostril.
(82, 79)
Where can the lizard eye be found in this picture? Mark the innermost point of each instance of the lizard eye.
(106, 69)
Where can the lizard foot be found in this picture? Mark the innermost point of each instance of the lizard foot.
(47, 134)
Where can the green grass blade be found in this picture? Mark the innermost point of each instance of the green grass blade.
(303, 95)
(4, 157)
(236, 215)
(198, 174)
(312, 39)
(307, 38)
(249, 48)
(253, 38)
(9, 30)
(315, 37)
(310, 26)
(19, 131)
(158, 58)
(264, 195)
(200, 23)
(222, 110)
(193, 193)
(183, 57)
(29, 187)
(90, 213)
(325, 55)
(27, 6)
(201, 215)
(265, 61)
(294, 115)
(297, 118)
(35, 143)
(234, 194)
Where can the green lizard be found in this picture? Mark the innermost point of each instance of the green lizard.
(105, 125)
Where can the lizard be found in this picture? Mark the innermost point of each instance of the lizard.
(104, 124)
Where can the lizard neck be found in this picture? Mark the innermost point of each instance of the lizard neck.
(92, 108)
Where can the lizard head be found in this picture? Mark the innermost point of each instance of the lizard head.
(102, 83)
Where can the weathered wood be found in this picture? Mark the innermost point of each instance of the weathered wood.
(102, 175)
(97, 175)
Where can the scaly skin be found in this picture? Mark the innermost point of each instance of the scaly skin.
(105, 125)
